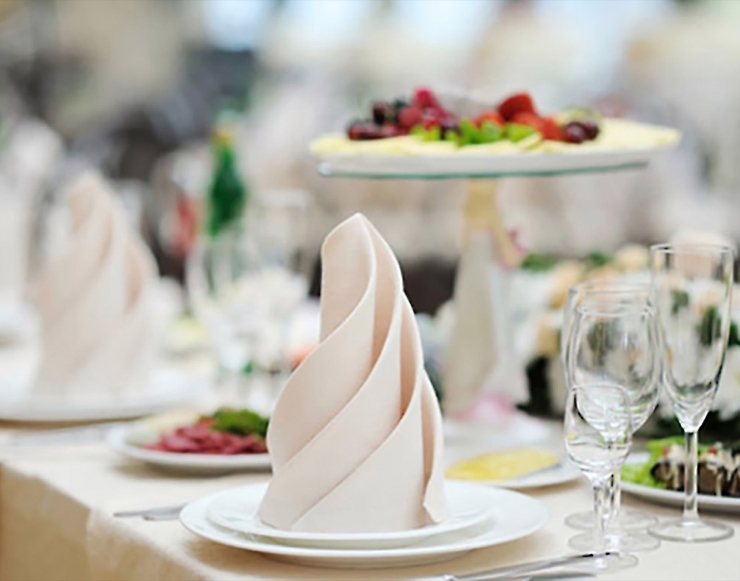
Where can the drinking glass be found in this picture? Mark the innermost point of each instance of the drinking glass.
(620, 519)
(597, 436)
(692, 286)
(245, 286)
(614, 339)
(221, 279)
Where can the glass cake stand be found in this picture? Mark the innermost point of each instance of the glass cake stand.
(480, 352)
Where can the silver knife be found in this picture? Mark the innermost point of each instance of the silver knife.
(522, 570)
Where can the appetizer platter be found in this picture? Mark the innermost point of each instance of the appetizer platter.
(425, 137)
(657, 475)
(223, 441)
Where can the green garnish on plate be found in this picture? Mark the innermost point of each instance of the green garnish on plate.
(241, 422)
(640, 473)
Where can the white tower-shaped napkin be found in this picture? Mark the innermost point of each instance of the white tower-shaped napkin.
(356, 437)
(94, 301)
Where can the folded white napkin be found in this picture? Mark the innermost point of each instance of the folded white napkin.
(95, 301)
(356, 436)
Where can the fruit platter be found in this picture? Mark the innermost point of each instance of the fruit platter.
(433, 136)
(658, 474)
(221, 441)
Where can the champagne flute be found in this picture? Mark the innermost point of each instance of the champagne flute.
(692, 286)
(597, 435)
(623, 291)
(614, 339)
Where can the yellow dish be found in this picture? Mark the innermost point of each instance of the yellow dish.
(507, 465)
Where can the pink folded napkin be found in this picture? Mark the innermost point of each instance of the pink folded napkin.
(356, 437)
(95, 301)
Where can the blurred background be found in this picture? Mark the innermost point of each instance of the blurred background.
(175, 100)
(135, 89)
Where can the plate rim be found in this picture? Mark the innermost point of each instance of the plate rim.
(569, 473)
(116, 439)
(525, 163)
(248, 542)
(26, 408)
(417, 535)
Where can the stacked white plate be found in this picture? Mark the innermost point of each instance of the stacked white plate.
(169, 386)
(478, 517)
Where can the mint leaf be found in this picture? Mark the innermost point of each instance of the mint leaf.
(490, 132)
(516, 131)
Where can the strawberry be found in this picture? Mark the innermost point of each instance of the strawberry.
(424, 97)
(409, 116)
(519, 103)
(492, 116)
(551, 130)
(531, 119)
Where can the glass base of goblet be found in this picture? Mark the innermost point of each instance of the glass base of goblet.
(619, 541)
(627, 519)
(691, 531)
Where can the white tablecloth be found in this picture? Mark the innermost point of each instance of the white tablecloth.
(55, 523)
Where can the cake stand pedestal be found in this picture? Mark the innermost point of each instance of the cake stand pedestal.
(480, 357)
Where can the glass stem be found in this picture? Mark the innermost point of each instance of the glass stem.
(600, 517)
(615, 494)
(690, 512)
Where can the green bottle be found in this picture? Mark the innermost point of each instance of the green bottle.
(228, 194)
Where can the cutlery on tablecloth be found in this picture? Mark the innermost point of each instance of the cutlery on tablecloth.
(159, 513)
(523, 570)
(74, 435)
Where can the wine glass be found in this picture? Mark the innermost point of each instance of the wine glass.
(622, 291)
(692, 286)
(245, 286)
(597, 436)
(221, 279)
(614, 339)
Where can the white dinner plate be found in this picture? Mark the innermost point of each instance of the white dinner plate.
(674, 498)
(518, 430)
(236, 509)
(122, 441)
(514, 516)
(560, 474)
(168, 387)
(520, 163)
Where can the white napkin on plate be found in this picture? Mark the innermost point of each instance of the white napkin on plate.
(356, 436)
(95, 301)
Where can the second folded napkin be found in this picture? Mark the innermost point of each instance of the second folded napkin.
(95, 301)
(356, 436)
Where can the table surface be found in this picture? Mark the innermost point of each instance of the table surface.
(57, 501)
(56, 505)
